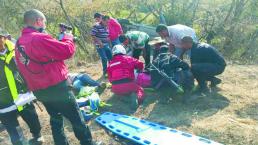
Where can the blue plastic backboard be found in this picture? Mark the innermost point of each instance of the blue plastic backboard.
(148, 133)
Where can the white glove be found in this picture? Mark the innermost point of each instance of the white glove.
(24, 99)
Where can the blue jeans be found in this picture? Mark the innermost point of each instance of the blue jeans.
(105, 56)
(115, 42)
(82, 80)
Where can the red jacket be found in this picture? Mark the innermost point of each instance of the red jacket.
(42, 47)
(122, 67)
(114, 29)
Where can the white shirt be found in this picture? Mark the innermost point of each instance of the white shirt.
(177, 32)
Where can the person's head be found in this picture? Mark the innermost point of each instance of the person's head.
(105, 20)
(123, 39)
(162, 30)
(164, 48)
(3, 38)
(118, 49)
(35, 18)
(187, 42)
(98, 17)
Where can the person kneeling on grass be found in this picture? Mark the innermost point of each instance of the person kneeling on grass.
(121, 74)
(175, 69)
(206, 63)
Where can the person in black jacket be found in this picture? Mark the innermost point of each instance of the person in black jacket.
(174, 68)
(11, 83)
(206, 62)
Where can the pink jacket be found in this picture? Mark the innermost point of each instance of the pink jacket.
(43, 48)
(114, 29)
(122, 67)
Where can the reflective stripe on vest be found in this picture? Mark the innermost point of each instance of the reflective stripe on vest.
(9, 73)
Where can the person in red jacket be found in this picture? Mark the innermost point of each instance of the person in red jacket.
(40, 60)
(114, 28)
(121, 74)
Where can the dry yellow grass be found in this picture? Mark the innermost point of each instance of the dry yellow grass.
(229, 116)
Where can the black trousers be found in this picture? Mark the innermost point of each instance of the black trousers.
(204, 72)
(59, 102)
(146, 53)
(10, 122)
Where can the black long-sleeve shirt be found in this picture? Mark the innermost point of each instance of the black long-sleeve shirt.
(205, 53)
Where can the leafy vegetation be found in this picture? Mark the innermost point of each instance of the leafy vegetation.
(230, 25)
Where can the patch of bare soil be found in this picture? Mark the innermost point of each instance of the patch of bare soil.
(228, 115)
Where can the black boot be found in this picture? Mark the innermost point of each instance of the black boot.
(215, 81)
(36, 140)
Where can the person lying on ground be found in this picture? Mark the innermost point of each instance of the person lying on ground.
(139, 42)
(11, 86)
(80, 80)
(206, 62)
(173, 34)
(174, 68)
(121, 74)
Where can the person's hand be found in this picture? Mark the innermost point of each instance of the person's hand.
(101, 45)
(68, 36)
(171, 48)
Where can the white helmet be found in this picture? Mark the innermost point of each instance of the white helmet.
(118, 49)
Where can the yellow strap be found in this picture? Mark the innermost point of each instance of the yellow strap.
(9, 44)
(9, 57)
(12, 85)
(9, 75)
(2, 58)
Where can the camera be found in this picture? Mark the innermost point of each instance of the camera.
(65, 27)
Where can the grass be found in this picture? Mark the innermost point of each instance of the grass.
(228, 115)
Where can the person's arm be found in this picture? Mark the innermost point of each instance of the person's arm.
(182, 54)
(50, 48)
(176, 62)
(117, 27)
(96, 40)
(171, 48)
(140, 44)
(137, 64)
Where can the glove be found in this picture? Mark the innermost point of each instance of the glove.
(24, 99)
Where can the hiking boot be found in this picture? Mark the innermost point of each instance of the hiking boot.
(2, 128)
(215, 81)
(100, 89)
(37, 140)
(201, 90)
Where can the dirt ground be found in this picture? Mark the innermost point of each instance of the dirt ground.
(228, 115)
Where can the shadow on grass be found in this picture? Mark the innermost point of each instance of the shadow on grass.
(249, 112)
(174, 113)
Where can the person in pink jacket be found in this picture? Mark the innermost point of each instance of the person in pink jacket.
(121, 74)
(40, 59)
(114, 28)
